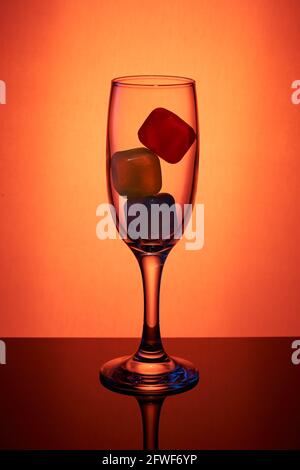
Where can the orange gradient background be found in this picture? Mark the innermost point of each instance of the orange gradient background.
(57, 58)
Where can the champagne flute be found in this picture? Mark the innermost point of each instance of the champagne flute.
(152, 162)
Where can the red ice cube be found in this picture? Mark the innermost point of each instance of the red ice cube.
(167, 135)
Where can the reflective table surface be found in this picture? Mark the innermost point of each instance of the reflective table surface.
(247, 397)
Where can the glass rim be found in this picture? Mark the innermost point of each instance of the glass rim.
(153, 81)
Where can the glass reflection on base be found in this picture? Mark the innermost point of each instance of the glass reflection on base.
(149, 398)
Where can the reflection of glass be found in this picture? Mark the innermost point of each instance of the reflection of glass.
(152, 159)
(150, 407)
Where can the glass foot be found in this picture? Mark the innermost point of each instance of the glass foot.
(128, 375)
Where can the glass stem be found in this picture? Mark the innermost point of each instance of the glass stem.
(151, 348)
